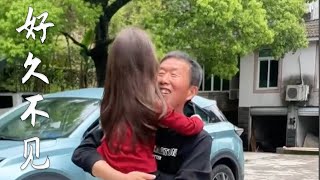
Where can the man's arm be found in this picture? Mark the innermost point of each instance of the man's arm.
(86, 155)
(197, 165)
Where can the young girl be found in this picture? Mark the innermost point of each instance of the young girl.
(133, 107)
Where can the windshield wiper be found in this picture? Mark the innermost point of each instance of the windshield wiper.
(9, 138)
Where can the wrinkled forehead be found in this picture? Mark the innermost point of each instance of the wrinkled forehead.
(175, 64)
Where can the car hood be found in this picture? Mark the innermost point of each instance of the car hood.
(10, 148)
(219, 127)
(12, 151)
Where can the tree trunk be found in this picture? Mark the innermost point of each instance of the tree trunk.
(100, 59)
(81, 84)
(99, 53)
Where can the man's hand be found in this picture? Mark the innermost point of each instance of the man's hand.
(135, 175)
(103, 170)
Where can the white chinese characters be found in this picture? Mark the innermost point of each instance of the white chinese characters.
(32, 109)
(33, 62)
(30, 22)
(29, 154)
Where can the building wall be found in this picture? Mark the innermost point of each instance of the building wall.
(289, 73)
(222, 98)
(244, 121)
(228, 107)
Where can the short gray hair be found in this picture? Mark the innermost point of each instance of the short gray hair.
(196, 70)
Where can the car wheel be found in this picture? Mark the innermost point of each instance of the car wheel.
(222, 172)
(46, 176)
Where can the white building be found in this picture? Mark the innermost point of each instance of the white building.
(266, 110)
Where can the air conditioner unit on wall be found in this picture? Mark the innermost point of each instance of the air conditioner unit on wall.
(297, 93)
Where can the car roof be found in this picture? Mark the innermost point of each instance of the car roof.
(14, 93)
(93, 93)
(203, 102)
(97, 93)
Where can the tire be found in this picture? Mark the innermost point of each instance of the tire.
(46, 176)
(222, 172)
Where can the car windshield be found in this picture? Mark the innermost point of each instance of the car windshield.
(65, 115)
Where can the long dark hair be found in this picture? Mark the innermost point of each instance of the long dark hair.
(131, 97)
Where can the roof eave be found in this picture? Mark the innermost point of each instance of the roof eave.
(313, 38)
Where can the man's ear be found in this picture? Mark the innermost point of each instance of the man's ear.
(193, 90)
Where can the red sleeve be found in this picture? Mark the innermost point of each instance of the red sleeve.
(182, 124)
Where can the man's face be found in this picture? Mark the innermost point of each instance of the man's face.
(174, 82)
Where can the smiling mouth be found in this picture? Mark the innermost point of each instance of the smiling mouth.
(165, 91)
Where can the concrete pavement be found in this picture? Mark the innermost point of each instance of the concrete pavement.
(271, 166)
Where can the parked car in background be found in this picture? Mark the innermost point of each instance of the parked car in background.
(9, 100)
(73, 114)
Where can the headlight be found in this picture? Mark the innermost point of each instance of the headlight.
(238, 130)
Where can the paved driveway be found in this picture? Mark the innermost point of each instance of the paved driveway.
(269, 166)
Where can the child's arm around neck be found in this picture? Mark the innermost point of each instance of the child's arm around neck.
(182, 124)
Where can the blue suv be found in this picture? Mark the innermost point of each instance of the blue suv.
(227, 156)
(73, 114)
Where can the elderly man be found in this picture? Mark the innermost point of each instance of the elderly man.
(179, 80)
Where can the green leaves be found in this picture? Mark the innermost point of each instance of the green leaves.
(218, 32)
(66, 15)
(75, 17)
(285, 21)
(215, 32)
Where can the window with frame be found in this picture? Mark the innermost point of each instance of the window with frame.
(268, 70)
(317, 68)
(214, 83)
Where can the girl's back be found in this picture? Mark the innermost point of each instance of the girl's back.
(132, 105)
(128, 114)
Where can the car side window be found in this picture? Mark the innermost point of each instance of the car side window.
(188, 109)
(213, 117)
(204, 116)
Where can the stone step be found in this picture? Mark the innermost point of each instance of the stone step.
(298, 150)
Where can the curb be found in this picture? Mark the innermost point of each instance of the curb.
(297, 151)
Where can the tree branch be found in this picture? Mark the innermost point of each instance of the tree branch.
(76, 42)
(114, 7)
(106, 42)
(109, 41)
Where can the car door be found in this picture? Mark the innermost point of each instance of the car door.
(221, 130)
(226, 142)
